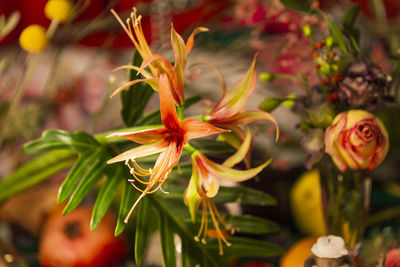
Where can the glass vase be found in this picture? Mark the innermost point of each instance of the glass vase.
(345, 200)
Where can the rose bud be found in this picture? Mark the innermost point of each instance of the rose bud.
(356, 140)
(364, 85)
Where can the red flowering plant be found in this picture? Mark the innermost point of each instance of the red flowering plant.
(152, 159)
(341, 135)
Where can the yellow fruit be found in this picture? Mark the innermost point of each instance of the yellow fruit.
(297, 255)
(33, 38)
(58, 9)
(306, 204)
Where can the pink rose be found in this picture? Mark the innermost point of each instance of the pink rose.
(356, 140)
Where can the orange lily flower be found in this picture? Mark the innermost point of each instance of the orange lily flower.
(229, 112)
(204, 185)
(168, 141)
(156, 63)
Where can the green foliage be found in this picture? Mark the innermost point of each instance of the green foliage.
(337, 35)
(35, 171)
(135, 99)
(350, 16)
(298, 5)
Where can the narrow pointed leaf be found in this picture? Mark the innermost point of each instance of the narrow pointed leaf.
(135, 99)
(244, 195)
(337, 35)
(350, 16)
(87, 183)
(105, 196)
(246, 247)
(144, 224)
(248, 224)
(35, 171)
(211, 147)
(188, 254)
(129, 196)
(80, 169)
(58, 139)
(167, 240)
(298, 5)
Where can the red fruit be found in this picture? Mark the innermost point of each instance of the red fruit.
(68, 241)
(393, 258)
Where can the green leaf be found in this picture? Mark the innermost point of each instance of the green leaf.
(81, 169)
(210, 146)
(350, 16)
(175, 210)
(246, 247)
(298, 5)
(244, 195)
(86, 183)
(129, 196)
(58, 139)
(189, 254)
(192, 100)
(144, 227)
(135, 99)
(106, 195)
(269, 104)
(167, 240)
(248, 224)
(35, 171)
(337, 35)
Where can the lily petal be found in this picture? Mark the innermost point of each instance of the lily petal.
(151, 82)
(227, 173)
(140, 151)
(169, 116)
(190, 40)
(249, 116)
(165, 162)
(195, 129)
(241, 153)
(191, 197)
(178, 46)
(236, 98)
(144, 136)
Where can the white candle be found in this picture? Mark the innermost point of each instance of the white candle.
(331, 247)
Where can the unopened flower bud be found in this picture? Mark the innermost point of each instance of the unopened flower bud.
(329, 41)
(267, 77)
(308, 31)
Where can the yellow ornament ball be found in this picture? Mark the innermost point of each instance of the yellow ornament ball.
(58, 9)
(33, 38)
(306, 204)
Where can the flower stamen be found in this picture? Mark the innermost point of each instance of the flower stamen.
(209, 206)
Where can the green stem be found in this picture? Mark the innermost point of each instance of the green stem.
(181, 112)
(189, 149)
